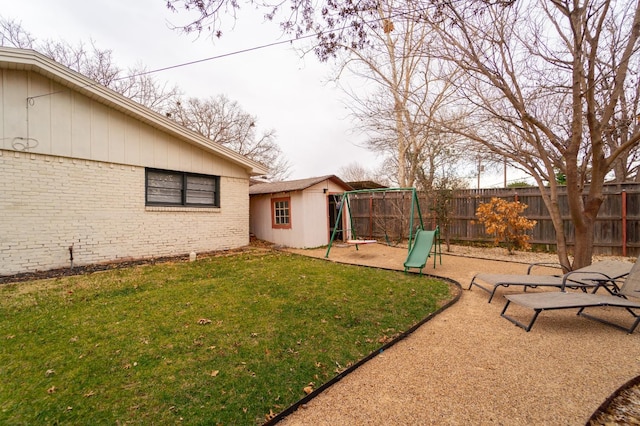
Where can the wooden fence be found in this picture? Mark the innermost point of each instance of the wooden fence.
(386, 216)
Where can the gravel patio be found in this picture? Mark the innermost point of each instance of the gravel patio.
(470, 366)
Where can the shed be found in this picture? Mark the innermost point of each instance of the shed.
(89, 176)
(297, 213)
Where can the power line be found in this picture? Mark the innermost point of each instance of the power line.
(250, 49)
(224, 55)
(264, 46)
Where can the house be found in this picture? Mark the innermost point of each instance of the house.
(298, 213)
(89, 176)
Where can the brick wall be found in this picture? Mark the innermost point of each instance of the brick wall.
(48, 204)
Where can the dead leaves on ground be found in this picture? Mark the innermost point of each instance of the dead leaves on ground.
(309, 388)
(270, 416)
(384, 339)
(207, 321)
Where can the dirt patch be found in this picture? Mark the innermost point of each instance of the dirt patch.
(100, 267)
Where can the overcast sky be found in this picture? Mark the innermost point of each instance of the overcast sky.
(284, 92)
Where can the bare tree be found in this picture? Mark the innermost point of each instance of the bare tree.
(336, 25)
(534, 70)
(12, 34)
(412, 93)
(355, 172)
(95, 63)
(624, 121)
(91, 61)
(98, 64)
(138, 84)
(441, 203)
(224, 122)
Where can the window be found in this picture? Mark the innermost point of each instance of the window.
(167, 188)
(281, 213)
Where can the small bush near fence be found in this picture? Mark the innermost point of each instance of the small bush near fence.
(503, 219)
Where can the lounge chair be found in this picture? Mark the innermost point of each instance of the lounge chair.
(600, 274)
(562, 299)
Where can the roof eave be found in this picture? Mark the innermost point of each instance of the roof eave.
(30, 60)
(276, 187)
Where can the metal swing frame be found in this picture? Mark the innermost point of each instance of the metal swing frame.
(415, 206)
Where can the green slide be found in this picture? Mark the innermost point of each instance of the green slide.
(421, 249)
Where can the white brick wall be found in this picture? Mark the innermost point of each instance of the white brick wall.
(50, 203)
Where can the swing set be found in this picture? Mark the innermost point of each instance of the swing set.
(420, 241)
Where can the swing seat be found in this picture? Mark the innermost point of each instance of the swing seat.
(356, 242)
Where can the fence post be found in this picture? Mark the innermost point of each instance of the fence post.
(371, 216)
(624, 222)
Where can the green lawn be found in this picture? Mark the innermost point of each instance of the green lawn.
(224, 340)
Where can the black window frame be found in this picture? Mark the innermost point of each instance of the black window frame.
(184, 176)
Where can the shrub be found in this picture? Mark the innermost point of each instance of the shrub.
(503, 220)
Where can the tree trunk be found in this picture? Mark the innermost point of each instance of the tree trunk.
(583, 251)
(585, 232)
(551, 202)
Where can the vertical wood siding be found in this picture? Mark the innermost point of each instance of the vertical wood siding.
(60, 122)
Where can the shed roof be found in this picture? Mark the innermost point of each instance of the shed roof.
(294, 185)
(30, 60)
(366, 184)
